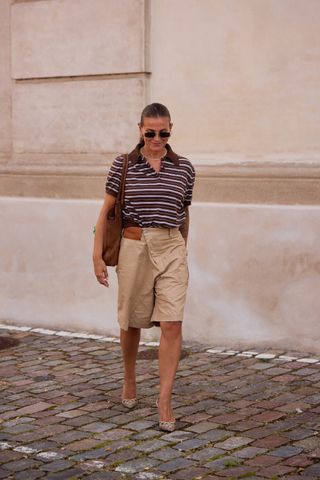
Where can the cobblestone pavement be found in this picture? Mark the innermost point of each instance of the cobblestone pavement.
(240, 414)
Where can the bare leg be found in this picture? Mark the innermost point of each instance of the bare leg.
(169, 356)
(129, 341)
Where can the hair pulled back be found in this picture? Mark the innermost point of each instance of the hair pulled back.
(154, 110)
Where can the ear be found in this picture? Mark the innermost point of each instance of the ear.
(170, 125)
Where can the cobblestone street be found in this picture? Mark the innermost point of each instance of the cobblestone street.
(249, 414)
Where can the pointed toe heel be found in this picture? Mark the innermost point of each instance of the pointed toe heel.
(129, 402)
(166, 426)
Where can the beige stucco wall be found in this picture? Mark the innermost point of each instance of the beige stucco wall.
(74, 117)
(5, 82)
(241, 78)
(254, 272)
(76, 37)
(75, 80)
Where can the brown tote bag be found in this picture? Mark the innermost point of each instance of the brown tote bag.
(113, 226)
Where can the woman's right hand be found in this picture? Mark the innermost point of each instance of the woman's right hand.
(101, 272)
(100, 268)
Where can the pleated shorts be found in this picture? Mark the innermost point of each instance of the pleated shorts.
(152, 278)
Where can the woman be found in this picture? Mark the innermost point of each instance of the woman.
(152, 268)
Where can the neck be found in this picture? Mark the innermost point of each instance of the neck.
(153, 156)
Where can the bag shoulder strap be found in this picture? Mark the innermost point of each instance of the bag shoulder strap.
(121, 192)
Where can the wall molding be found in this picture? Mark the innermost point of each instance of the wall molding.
(98, 163)
(79, 78)
(83, 176)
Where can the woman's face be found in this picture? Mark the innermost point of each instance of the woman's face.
(157, 125)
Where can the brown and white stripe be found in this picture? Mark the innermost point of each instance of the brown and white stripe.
(154, 199)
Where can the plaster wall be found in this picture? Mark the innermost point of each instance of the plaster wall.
(241, 77)
(5, 82)
(74, 81)
(77, 37)
(77, 116)
(254, 272)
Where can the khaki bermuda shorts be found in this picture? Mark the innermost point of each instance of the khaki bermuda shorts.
(153, 278)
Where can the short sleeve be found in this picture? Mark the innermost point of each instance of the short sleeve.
(114, 177)
(190, 185)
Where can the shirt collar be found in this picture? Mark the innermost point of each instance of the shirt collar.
(135, 155)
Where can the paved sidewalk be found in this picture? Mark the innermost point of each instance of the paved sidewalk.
(239, 415)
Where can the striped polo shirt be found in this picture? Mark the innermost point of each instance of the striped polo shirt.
(153, 199)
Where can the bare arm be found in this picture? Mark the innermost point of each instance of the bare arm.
(100, 268)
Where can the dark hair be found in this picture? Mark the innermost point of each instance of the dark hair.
(154, 110)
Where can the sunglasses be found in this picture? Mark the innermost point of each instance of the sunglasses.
(153, 134)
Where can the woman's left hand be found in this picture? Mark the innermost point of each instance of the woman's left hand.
(101, 272)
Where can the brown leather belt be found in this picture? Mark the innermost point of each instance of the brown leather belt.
(134, 233)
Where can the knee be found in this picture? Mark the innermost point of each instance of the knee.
(171, 330)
